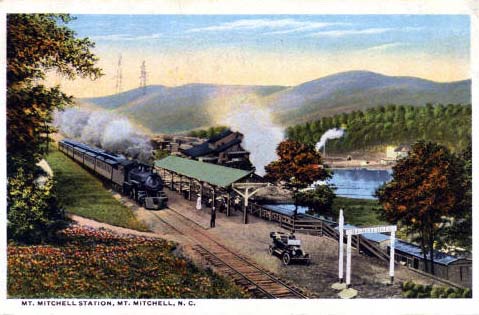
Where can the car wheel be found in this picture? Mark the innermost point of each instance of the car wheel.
(271, 250)
(286, 259)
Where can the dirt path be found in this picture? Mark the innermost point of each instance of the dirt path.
(116, 229)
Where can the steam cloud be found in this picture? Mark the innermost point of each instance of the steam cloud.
(334, 133)
(261, 135)
(105, 130)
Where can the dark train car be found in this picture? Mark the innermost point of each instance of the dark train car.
(126, 176)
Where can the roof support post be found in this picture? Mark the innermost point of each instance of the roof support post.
(247, 194)
(181, 184)
(172, 183)
(213, 198)
(228, 204)
(189, 190)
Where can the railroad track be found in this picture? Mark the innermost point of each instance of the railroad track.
(245, 273)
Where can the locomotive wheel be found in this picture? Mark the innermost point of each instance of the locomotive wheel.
(271, 250)
(286, 259)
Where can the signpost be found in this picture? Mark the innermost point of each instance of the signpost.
(357, 231)
(341, 245)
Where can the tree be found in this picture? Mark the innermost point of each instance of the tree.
(427, 188)
(459, 233)
(318, 200)
(299, 165)
(37, 44)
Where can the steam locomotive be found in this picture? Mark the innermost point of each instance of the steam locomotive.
(129, 177)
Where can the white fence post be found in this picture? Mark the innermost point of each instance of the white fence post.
(348, 262)
(341, 245)
(391, 258)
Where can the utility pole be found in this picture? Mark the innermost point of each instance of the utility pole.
(143, 77)
(119, 77)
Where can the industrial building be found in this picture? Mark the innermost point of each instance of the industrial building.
(223, 149)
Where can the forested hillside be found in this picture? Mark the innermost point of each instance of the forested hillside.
(393, 124)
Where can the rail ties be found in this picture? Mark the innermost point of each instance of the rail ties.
(245, 273)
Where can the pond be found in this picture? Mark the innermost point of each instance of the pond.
(359, 183)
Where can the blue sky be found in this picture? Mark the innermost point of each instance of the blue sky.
(244, 48)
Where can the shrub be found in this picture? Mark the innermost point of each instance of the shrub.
(410, 294)
(408, 285)
(467, 293)
(416, 290)
(419, 288)
(437, 292)
(33, 214)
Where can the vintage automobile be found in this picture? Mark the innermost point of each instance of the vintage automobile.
(287, 247)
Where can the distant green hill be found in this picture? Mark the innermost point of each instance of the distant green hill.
(359, 90)
(187, 107)
(175, 109)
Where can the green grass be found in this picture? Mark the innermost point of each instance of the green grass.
(359, 212)
(83, 194)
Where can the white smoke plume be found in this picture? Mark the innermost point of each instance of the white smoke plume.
(104, 130)
(261, 135)
(334, 133)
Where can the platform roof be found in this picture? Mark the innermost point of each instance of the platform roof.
(213, 174)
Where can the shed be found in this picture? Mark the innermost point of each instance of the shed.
(452, 268)
(216, 175)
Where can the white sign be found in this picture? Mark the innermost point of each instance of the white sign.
(379, 229)
(349, 233)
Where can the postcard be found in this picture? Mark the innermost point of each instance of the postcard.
(216, 157)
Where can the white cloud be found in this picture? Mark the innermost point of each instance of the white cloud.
(340, 33)
(308, 26)
(125, 37)
(385, 46)
(282, 25)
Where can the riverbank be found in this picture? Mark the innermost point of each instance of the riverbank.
(362, 160)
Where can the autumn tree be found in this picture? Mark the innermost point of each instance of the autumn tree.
(426, 189)
(299, 165)
(36, 45)
(459, 232)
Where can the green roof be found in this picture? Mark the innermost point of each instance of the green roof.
(206, 172)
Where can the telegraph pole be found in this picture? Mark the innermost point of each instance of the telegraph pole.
(143, 77)
(119, 77)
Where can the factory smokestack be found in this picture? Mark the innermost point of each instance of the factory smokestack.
(334, 133)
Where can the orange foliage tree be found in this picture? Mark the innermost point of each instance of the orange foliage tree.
(299, 165)
(427, 189)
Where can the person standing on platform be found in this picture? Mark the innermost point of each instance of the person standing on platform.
(213, 217)
(198, 203)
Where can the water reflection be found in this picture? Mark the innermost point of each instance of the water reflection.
(359, 183)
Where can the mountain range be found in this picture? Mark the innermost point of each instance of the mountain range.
(178, 109)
